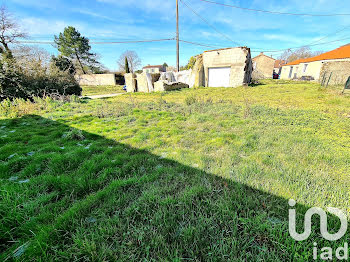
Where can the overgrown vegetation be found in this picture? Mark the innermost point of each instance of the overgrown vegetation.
(36, 79)
(26, 72)
(202, 174)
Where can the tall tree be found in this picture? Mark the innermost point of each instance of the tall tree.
(73, 45)
(133, 60)
(10, 32)
(127, 70)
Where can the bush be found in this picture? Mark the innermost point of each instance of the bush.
(35, 79)
(190, 100)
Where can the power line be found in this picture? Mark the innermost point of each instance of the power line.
(199, 44)
(341, 30)
(205, 21)
(271, 12)
(102, 43)
(324, 43)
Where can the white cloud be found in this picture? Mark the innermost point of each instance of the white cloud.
(38, 26)
(159, 6)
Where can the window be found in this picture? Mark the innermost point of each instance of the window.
(305, 67)
(152, 70)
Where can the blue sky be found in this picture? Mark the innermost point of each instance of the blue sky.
(114, 20)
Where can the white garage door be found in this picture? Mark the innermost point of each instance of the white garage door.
(219, 77)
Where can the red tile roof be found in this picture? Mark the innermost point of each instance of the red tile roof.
(339, 53)
(297, 62)
(262, 54)
(279, 63)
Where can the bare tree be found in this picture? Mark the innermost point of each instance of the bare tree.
(133, 60)
(301, 53)
(10, 31)
(23, 53)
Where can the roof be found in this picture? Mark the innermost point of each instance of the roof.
(262, 54)
(297, 62)
(153, 66)
(339, 53)
(220, 49)
(279, 63)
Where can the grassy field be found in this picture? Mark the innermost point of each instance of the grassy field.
(200, 175)
(101, 90)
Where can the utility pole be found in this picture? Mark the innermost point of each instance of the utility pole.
(177, 38)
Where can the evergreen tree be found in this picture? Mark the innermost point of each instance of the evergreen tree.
(73, 45)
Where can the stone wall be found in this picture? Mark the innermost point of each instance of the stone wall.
(338, 72)
(96, 80)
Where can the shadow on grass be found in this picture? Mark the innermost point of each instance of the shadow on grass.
(256, 84)
(69, 195)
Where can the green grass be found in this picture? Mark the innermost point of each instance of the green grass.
(202, 174)
(101, 90)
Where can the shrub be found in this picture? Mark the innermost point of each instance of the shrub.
(74, 134)
(190, 100)
(35, 79)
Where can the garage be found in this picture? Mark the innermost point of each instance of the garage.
(219, 77)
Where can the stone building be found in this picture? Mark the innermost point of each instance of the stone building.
(263, 66)
(152, 69)
(315, 67)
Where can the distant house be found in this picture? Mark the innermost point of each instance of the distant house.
(278, 66)
(263, 66)
(336, 62)
(154, 69)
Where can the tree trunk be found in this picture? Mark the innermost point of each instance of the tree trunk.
(5, 50)
(81, 65)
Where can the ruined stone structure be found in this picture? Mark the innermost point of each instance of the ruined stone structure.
(229, 67)
(197, 76)
(130, 82)
(163, 85)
